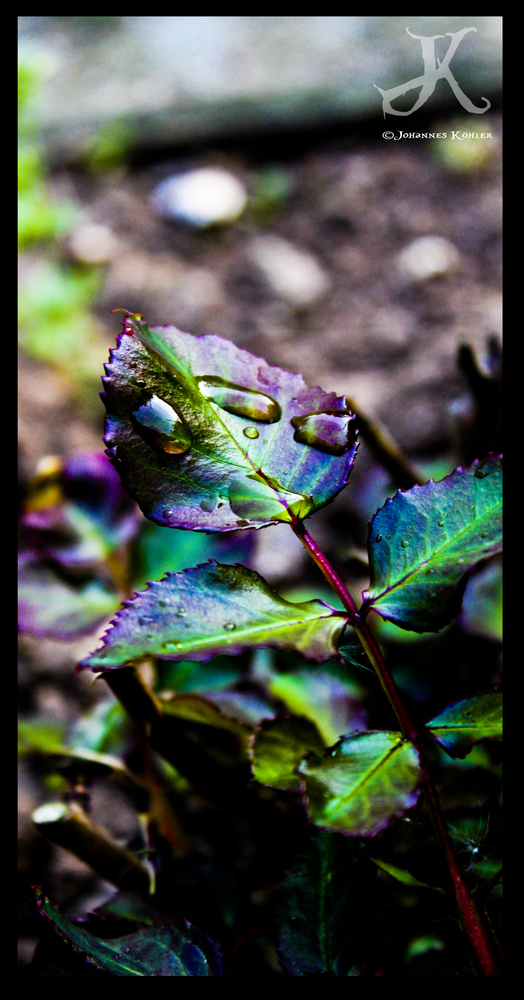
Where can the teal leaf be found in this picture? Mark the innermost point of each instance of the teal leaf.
(213, 609)
(424, 543)
(330, 909)
(278, 747)
(207, 436)
(459, 727)
(168, 949)
(363, 783)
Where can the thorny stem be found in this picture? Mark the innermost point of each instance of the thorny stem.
(482, 946)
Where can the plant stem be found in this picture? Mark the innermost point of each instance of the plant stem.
(482, 946)
(71, 828)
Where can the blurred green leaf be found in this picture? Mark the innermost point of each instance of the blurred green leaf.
(278, 747)
(330, 909)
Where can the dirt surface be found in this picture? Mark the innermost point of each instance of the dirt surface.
(345, 308)
(363, 324)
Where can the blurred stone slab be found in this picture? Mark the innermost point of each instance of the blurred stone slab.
(172, 80)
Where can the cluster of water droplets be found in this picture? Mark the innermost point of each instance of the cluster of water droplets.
(160, 425)
(330, 431)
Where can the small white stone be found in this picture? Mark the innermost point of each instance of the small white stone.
(206, 197)
(293, 274)
(50, 812)
(428, 256)
(93, 243)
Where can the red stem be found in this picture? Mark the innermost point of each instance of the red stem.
(477, 933)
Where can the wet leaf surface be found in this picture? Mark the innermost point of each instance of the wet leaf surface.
(424, 543)
(213, 609)
(209, 437)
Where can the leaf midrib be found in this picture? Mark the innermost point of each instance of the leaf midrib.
(369, 775)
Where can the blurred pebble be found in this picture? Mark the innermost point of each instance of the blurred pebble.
(93, 243)
(428, 256)
(292, 274)
(207, 197)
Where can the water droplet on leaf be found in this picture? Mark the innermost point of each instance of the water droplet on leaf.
(167, 515)
(404, 544)
(240, 401)
(251, 432)
(331, 431)
(441, 524)
(161, 426)
(481, 473)
(230, 626)
(181, 612)
(378, 538)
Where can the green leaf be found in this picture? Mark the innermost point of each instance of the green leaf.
(403, 876)
(41, 735)
(330, 908)
(424, 543)
(459, 727)
(278, 747)
(168, 949)
(212, 609)
(363, 783)
(482, 605)
(159, 550)
(207, 436)
(329, 701)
